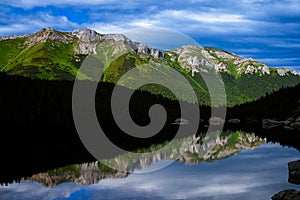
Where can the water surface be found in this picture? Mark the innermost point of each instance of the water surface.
(251, 174)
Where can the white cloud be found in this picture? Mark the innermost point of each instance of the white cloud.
(205, 17)
(33, 23)
(175, 186)
(33, 190)
(14, 29)
(208, 22)
(106, 28)
(278, 61)
(286, 45)
(34, 3)
(248, 50)
(224, 24)
(144, 23)
(160, 38)
(48, 20)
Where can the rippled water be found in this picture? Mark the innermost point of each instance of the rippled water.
(252, 174)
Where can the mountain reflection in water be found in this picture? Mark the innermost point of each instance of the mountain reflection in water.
(251, 174)
(189, 150)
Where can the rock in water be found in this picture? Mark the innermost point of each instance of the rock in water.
(234, 121)
(294, 172)
(269, 123)
(287, 195)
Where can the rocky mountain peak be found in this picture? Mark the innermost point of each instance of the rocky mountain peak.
(125, 43)
(87, 35)
(142, 48)
(48, 34)
(116, 37)
(222, 54)
(87, 41)
(11, 37)
(191, 58)
(287, 71)
(187, 49)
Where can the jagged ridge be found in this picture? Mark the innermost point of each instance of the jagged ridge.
(50, 54)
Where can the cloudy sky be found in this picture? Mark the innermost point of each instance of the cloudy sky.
(267, 30)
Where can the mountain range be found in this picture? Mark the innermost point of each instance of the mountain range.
(53, 55)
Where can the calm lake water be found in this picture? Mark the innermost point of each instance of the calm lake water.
(251, 174)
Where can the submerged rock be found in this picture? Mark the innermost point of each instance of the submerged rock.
(234, 121)
(181, 121)
(290, 124)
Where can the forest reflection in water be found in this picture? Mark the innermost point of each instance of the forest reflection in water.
(251, 174)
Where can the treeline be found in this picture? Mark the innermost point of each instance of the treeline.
(239, 90)
(280, 105)
(38, 131)
(244, 89)
(248, 88)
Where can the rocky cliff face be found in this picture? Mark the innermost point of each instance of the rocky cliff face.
(135, 46)
(142, 48)
(85, 174)
(194, 59)
(198, 59)
(191, 58)
(87, 41)
(48, 34)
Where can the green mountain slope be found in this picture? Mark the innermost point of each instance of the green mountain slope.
(50, 59)
(9, 50)
(53, 55)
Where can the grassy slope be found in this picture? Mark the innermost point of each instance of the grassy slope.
(242, 88)
(109, 50)
(128, 61)
(55, 61)
(50, 60)
(239, 90)
(9, 50)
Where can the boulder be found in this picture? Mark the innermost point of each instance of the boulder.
(287, 195)
(295, 125)
(294, 172)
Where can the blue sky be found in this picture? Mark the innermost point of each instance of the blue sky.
(266, 30)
